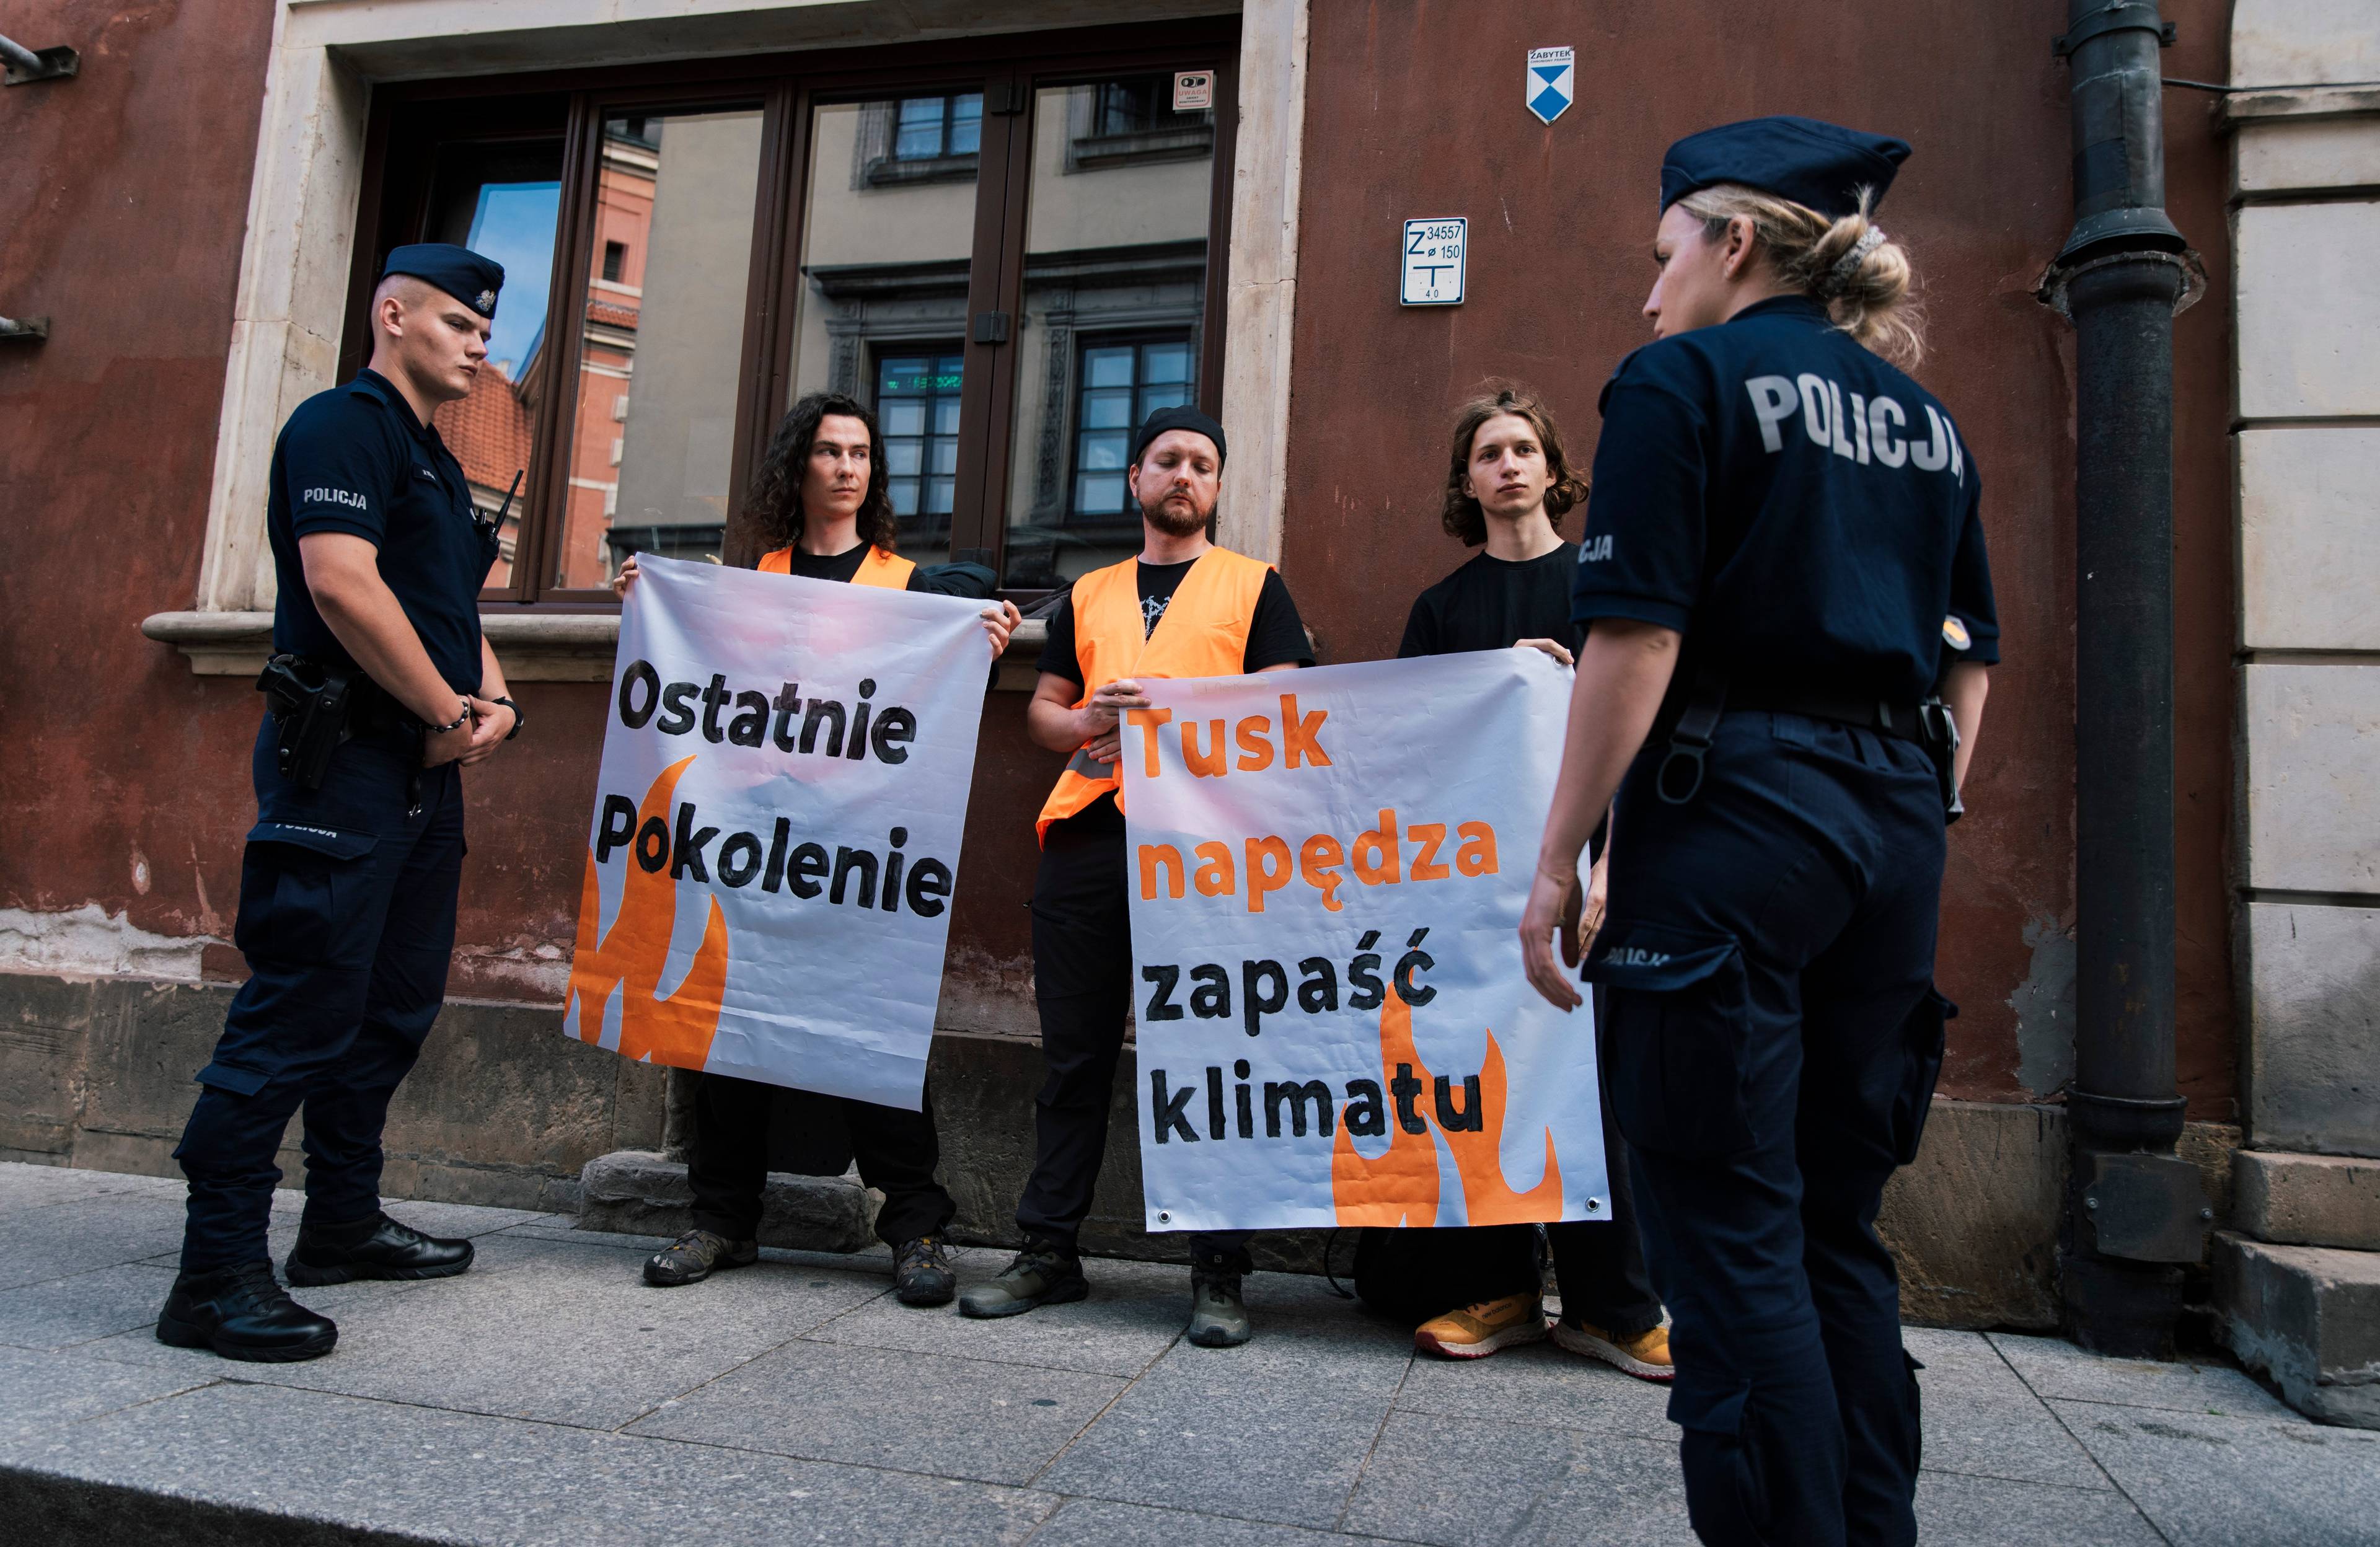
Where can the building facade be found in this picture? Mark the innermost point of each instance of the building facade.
(1003, 228)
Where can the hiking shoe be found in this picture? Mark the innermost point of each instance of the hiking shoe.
(375, 1248)
(243, 1313)
(1219, 1317)
(1474, 1332)
(695, 1256)
(1645, 1356)
(1043, 1273)
(921, 1272)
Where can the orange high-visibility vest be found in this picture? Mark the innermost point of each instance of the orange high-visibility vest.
(878, 569)
(1203, 633)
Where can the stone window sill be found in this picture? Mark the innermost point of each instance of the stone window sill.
(533, 647)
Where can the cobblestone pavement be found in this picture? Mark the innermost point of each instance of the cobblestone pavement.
(549, 1396)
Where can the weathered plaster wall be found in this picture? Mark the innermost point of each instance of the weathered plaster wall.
(1415, 108)
(127, 776)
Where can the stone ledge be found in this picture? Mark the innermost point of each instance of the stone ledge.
(2299, 101)
(2309, 1319)
(533, 646)
(637, 1192)
(2318, 1200)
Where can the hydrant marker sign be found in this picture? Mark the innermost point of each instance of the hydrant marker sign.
(1326, 871)
(776, 833)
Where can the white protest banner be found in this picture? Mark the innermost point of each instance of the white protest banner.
(1328, 870)
(776, 834)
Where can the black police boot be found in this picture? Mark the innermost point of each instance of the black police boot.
(243, 1313)
(921, 1272)
(374, 1247)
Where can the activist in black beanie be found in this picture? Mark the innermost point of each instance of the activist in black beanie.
(1184, 418)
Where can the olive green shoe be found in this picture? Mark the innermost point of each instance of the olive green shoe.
(1219, 1317)
(1041, 1275)
(695, 1256)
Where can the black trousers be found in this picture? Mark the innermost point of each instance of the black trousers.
(1082, 983)
(347, 917)
(1773, 1041)
(728, 1166)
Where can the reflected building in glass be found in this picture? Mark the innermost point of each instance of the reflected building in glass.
(1113, 301)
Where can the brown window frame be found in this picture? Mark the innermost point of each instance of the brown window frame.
(1011, 69)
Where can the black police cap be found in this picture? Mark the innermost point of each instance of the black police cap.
(1818, 164)
(1184, 418)
(459, 271)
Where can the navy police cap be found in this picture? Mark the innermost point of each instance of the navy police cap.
(459, 271)
(1818, 164)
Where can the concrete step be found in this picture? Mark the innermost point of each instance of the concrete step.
(2293, 1200)
(2307, 1317)
(637, 1192)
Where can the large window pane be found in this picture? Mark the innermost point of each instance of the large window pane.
(1114, 307)
(652, 443)
(888, 231)
(500, 198)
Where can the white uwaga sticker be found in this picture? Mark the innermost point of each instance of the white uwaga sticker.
(1194, 91)
(1433, 262)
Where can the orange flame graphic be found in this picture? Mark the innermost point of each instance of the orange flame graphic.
(676, 1030)
(1401, 1188)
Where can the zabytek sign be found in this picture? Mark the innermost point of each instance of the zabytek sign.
(776, 834)
(1328, 871)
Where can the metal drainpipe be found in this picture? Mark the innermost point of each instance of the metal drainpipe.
(2134, 1212)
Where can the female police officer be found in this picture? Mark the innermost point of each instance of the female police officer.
(1782, 560)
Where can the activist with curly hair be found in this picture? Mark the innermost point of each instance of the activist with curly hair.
(858, 489)
(819, 502)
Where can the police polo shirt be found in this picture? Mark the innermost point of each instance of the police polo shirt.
(1803, 513)
(354, 459)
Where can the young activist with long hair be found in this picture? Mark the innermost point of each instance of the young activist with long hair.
(820, 501)
(1507, 487)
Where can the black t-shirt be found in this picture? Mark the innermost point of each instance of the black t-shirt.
(1276, 637)
(354, 459)
(971, 580)
(1492, 603)
(1802, 512)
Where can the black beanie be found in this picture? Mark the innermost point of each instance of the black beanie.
(1183, 418)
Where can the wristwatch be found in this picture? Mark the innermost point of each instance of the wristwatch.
(518, 721)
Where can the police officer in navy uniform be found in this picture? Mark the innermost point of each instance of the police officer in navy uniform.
(381, 687)
(1789, 607)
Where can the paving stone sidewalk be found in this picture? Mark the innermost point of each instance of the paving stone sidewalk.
(549, 1396)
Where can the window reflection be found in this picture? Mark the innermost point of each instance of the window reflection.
(500, 198)
(918, 407)
(652, 443)
(1122, 386)
(888, 235)
(1114, 305)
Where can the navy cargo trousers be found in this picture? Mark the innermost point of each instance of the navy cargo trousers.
(347, 917)
(1772, 1043)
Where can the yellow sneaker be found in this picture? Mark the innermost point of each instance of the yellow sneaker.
(1477, 1330)
(1645, 1356)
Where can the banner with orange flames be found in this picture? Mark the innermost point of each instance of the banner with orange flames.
(1328, 871)
(777, 823)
